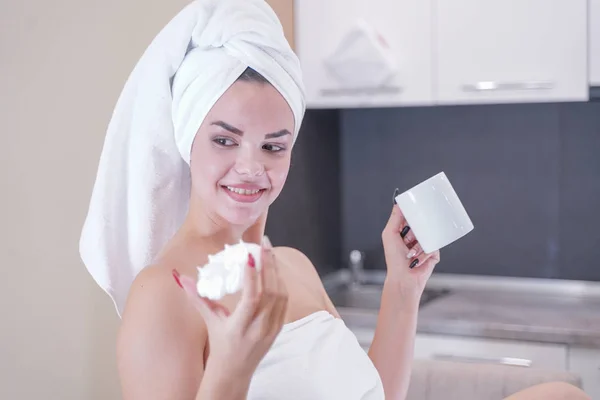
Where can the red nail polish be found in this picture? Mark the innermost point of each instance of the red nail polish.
(176, 277)
(251, 261)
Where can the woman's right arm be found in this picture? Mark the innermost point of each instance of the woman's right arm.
(160, 346)
(160, 350)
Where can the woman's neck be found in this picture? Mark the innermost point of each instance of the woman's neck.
(202, 234)
(214, 235)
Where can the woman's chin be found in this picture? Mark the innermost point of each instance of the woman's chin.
(241, 217)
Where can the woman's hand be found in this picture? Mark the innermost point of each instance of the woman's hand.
(408, 268)
(239, 340)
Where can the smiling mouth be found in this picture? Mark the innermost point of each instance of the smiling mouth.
(242, 195)
(243, 192)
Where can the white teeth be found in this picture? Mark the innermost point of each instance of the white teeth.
(243, 191)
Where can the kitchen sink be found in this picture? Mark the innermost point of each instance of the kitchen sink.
(369, 296)
(346, 293)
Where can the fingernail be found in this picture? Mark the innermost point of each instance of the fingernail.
(396, 193)
(224, 313)
(411, 253)
(176, 277)
(251, 261)
(414, 263)
(404, 231)
(266, 242)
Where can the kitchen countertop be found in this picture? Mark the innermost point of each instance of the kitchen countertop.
(551, 317)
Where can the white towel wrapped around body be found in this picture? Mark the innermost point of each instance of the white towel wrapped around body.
(142, 188)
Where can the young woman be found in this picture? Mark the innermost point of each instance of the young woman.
(198, 149)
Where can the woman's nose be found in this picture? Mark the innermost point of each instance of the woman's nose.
(249, 165)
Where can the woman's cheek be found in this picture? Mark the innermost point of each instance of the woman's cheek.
(278, 178)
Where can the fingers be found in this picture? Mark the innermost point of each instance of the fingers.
(396, 220)
(408, 235)
(250, 298)
(405, 231)
(391, 234)
(269, 273)
(207, 308)
(399, 240)
(188, 285)
(216, 309)
(415, 250)
(425, 259)
(274, 295)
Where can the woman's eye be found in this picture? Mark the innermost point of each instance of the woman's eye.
(273, 148)
(224, 142)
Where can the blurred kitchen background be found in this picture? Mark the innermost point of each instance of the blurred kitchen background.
(503, 96)
(521, 145)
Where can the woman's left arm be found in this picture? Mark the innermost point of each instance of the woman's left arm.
(393, 344)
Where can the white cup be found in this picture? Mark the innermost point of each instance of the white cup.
(434, 213)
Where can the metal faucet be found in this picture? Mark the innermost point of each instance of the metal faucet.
(357, 267)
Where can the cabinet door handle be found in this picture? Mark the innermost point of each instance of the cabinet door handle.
(516, 362)
(491, 86)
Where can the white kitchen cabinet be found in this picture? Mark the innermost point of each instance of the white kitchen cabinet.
(586, 363)
(509, 352)
(504, 51)
(594, 28)
(402, 29)
(479, 350)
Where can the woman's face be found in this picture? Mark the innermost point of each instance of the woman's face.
(241, 154)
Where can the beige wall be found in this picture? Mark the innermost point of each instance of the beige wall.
(285, 11)
(62, 65)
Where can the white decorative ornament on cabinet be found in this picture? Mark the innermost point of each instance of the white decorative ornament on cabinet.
(362, 63)
(356, 53)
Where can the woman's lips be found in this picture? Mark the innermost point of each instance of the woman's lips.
(244, 193)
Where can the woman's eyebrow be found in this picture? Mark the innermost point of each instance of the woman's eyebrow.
(239, 132)
(277, 134)
(228, 127)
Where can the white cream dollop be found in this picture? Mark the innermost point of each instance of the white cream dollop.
(224, 272)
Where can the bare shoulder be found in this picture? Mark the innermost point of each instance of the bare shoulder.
(300, 262)
(284, 251)
(298, 259)
(161, 339)
(153, 289)
(156, 301)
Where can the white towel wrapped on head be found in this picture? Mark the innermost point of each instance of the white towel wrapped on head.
(142, 187)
